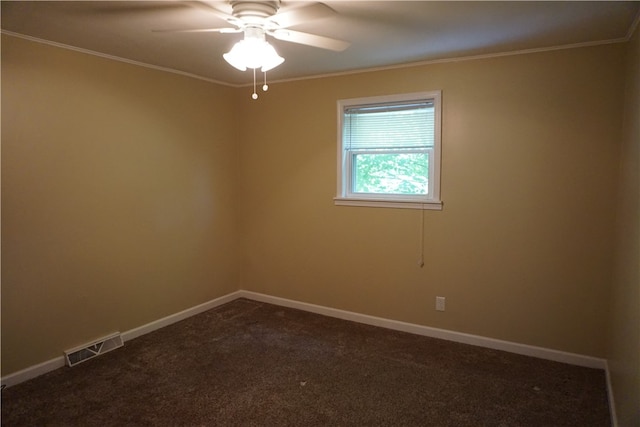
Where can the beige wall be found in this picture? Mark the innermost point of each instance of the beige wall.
(118, 198)
(624, 346)
(522, 250)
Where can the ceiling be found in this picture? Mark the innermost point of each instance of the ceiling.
(381, 33)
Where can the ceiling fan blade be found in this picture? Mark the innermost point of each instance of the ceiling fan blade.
(200, 30)
(295, 16)
(133, 7)
(210, 9)
(310, 40)
(124, 7)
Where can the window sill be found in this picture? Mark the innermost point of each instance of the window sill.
(395, 204)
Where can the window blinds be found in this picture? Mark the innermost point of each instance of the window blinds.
(406, 125)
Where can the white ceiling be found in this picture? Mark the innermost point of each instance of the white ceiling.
(382, 33)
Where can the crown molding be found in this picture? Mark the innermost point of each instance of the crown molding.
(628, 36)
(114, 58)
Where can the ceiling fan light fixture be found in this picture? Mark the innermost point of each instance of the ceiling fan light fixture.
(253, 52)
(270, 59)
(236, 57)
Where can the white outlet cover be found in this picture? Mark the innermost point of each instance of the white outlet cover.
(440, 303)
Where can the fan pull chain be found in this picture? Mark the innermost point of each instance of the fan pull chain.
(255, 95)
(265, 87)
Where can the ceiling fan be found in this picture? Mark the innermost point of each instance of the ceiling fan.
(266, 17)
(257, 19)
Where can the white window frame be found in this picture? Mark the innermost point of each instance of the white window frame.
(346, 197)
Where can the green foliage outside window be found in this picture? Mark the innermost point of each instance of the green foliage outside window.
(391, 173)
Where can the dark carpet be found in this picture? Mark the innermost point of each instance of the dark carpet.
(253, 364)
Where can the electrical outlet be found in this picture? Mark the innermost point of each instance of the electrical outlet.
(440, 303)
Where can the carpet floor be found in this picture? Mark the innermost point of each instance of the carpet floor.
(248, 363)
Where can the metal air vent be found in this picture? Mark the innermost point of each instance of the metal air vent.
(93, 349)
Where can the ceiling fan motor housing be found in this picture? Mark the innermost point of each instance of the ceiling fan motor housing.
(254, 11)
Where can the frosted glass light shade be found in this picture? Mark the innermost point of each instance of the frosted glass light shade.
(253, 53)
(270, 58)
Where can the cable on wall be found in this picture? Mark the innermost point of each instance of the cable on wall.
(421, 260)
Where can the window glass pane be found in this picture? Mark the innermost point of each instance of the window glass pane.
(391, 173)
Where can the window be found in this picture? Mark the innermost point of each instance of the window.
(389, 151)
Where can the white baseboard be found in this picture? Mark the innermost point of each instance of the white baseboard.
(527, 350)
(184, 314)
(612, 403)
(523, 349)
(59, 362)
(33, 371)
